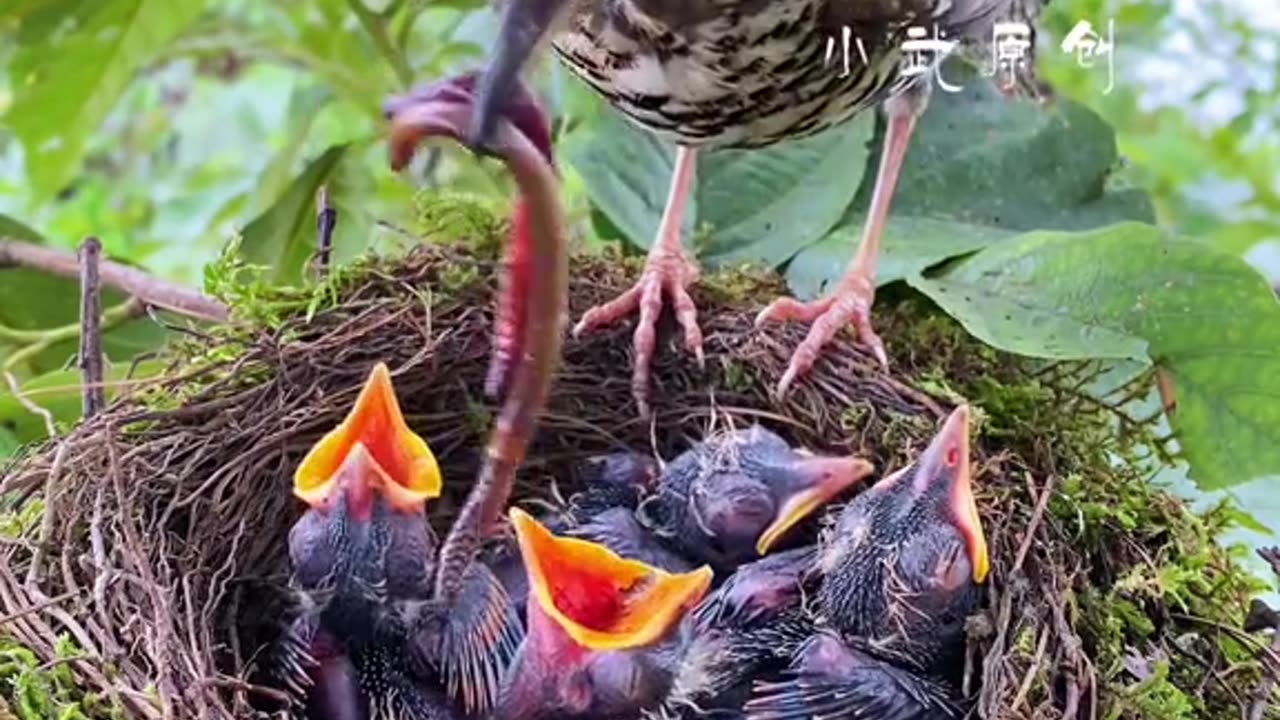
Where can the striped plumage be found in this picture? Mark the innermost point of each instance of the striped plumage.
(743, 74)
(750, 73)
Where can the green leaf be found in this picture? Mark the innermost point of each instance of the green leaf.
(58, 392)
(60, 305)
(1125, 291)
(284, 235)
(755, 204)
(978, 167)
(9, 442)
(70, 72)
(908, 245)
(305, 104)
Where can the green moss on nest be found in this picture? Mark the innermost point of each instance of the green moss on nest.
(1120, 592)
(1153, 598)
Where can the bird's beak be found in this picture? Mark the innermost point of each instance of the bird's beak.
(603, 601)
(812, 483)
(947, 460)
(360, 478)
(523, 25)
(408, 470)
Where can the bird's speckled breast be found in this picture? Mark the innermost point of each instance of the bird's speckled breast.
(747, 74)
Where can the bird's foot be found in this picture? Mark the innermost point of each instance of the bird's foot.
(849, 303)
(668, 270)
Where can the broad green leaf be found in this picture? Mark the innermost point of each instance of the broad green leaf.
(1125, 291)
(978, 167)
(70, 72)
(305, 104)
(58, 392)
(9, 442)
(755, 204)
(59, 304)
(284, 235)
(909, 245)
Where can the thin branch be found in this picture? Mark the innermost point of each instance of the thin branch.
(326, 221)
(91, 375)
(149, 289)
(1262, 694)
(49, 425)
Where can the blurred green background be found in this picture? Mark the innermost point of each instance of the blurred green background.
(169, 127)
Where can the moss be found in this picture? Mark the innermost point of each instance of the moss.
(1156, 598)
(48, 690)
(1139, 572)
(469, 220)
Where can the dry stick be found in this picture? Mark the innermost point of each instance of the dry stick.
(1270, 669)
(326, 221)
(91, 375)
(149, 289)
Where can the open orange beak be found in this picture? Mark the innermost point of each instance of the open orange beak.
(947, 460)
(603, 601)
(813, 482)
(407, 466)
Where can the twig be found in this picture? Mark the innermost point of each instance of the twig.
(36, 607)
(326, 221)
(47, 521)
(147, 288)
(49, 425)
(91, 375)
(1037, 515)
(1270, 668)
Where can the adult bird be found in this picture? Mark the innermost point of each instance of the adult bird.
(601, 632)
(738, 74)
(902, 569)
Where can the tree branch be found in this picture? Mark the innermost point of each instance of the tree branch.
(93, 395)
(326, 221)
(146, 288)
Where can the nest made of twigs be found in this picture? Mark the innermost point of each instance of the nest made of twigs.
(161, 548)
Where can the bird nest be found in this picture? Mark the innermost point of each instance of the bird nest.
(145, 549)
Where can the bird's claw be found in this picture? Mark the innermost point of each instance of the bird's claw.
(849, 303)
(669, 272)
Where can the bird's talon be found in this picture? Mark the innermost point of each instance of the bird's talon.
(665, 271)
(849, 304)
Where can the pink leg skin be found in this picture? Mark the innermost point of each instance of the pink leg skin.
(669, 268)
(850, 301)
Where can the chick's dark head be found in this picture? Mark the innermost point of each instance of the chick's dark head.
(366, 483)
(906, 558)
(733, 498)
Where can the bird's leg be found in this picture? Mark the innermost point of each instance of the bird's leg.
(850, 301)
(668, 268)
